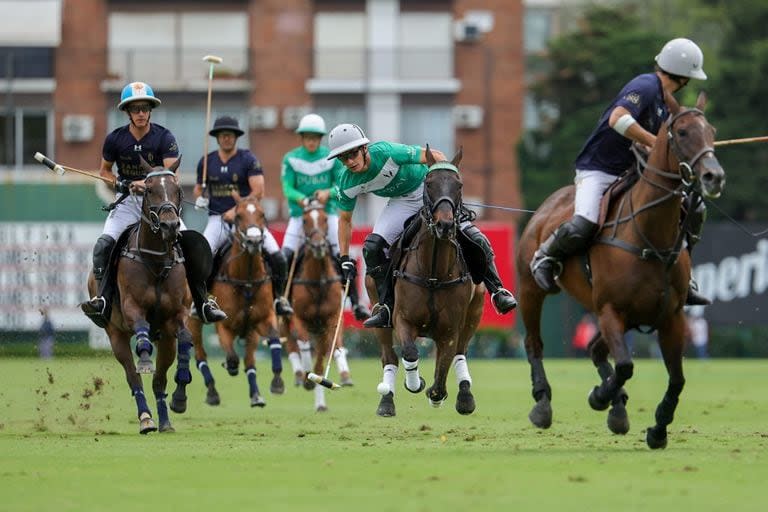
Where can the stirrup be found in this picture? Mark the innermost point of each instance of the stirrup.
(283, 307)
(511, 303)
(381, 317)
(545, 269)
(211, 312)
(94, 309)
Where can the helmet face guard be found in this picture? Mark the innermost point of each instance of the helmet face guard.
(345, 137)
(682, 57)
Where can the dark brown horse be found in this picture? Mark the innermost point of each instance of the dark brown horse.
(154, 299)
(434, 296)
(316, 298)
(243, 288)
(638, 265)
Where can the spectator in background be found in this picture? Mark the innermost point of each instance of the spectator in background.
(47, 336)
(586, 329)
(697, 331)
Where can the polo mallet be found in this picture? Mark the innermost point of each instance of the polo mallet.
(61, 169)
(212, 60)
(323, 381)
(290, 276)
(741, 141)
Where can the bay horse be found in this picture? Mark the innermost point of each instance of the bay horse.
(316, 294)
(435, 296)
(638, 269)
(243, 288)
(153, 297)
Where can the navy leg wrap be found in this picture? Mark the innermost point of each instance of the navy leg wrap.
(207, 375)
(252, 386)
(142, 340)
(141, 402)
(162, 408)
(275, 349)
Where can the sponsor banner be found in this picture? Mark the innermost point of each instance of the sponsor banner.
(731, 268)
(47, 264)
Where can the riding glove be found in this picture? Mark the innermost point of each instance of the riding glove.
(348, 268)
(201, 203)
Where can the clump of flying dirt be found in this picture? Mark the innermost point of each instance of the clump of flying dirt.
(50, 375)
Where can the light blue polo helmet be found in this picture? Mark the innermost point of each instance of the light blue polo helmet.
(137, 91)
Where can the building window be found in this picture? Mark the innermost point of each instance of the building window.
(426, 46)
(169, 46)
(538, 29)
(21, 62)
(428, 120)
(22, 134)
(340, 45)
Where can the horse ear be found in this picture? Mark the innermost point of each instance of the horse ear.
(235, 195)
(175, 165)
(144, 165)
(672, 104)
(430, 157)
(701, 101)
(457, 157)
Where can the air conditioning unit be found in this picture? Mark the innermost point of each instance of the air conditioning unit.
(292, 116)
(77, 128)
(468, 116)
(262, 118)
(466, 32)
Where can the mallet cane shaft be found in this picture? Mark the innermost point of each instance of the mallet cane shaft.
(61, 169)
(741, 141)
(212, 60)
(323, 381)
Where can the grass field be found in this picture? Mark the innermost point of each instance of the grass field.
(69, 444)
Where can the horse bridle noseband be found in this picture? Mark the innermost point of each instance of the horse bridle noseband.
(153, 217)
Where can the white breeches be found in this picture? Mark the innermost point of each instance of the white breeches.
(217, 232)
(389, 225)
(590, 186)
(294, 233)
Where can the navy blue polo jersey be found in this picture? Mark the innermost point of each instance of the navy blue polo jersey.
(608, 151)
(223, 178)
(122, 148)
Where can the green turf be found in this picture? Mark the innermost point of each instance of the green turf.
(66, 445)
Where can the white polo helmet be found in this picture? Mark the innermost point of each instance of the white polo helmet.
(682, 57)
(345, 137)
(312, 123)
(137, 91)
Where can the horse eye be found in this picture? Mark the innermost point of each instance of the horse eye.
(682, 132)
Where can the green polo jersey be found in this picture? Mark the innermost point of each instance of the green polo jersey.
(394, 171)
(303, 173)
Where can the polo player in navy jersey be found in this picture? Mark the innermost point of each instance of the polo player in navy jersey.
(230, 168)
(124, 147)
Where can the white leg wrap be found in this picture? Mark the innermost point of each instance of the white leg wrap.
(319, 396)
(295, 361)
(412, 380)
(305, 349)
(388, 378)
(461, 369)
(340, 356)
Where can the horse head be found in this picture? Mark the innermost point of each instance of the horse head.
(692, 140)
(442, 196)
(162, 200)
(315, 222)
(250, 223)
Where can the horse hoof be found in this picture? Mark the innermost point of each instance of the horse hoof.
(541, 414)
(595, 402)
(465, 402)
(309, 385)
(347, 382)
(277, 386)
(178, 402)
(146, 425)
(435, 400)
(166, 428)
(257, 401)
(321, 408)
(656, 438)
(231, 365)
(422, 385)
(212, 397)
(145, 366)
(618, 420)
(386, 407)
(298, 379)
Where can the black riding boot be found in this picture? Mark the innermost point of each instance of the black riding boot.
(572, 236)
(502, 299)
(697, 214)
(97, 308)
(279, 267)
(360, 311)
(382, 311)
(197, 267)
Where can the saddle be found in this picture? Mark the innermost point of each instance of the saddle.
(108, 286)
(625, 182)
(473, 253)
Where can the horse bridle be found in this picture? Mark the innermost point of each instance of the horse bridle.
(315, 247)
(687, 175)
(153, 217)
(428, 211)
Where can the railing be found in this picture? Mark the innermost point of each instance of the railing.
(391, 64)
(175, 65)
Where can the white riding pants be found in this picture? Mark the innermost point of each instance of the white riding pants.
(389, 225)
(294, 233)
(590, 186)
(217, 232)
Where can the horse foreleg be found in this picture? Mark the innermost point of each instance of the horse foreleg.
(531, 301)
(386, 387)
(292, 347)
(618, 420)
(227, 342)
(465, 401)
(407, 335)
(671, 341)
(121, 348)
(251, 344)
(268, 328)
(612, 328)
(183, 375)
(201, 358)
(446, 350)
(165, 354)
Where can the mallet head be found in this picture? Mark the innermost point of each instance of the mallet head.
(319, 379)
(213, 59)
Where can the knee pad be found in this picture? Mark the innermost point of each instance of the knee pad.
(473, 233)
(373, 252)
